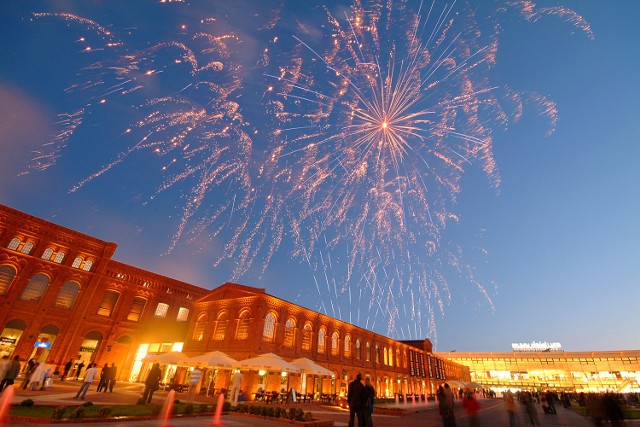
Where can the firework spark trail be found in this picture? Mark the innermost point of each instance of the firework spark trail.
(401, 115)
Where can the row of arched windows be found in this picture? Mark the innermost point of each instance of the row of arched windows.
(16, 244)
(37, 286)
(220, 328)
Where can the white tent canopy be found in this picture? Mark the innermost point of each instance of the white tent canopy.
(308, 366)
(214, 359)
(170, 358)
(269, 362)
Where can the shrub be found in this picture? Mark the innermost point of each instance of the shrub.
(188, 409)
(255, 410)
(308, 416)
(226, 407)
(263, 411)
(140, 401)
(299, 415)
(292, 413)
(104, 412)
(77, 413)
(276, 412)
(155, 410)
(203, 407)
(270, 412)
(58, 413)
(27, 402)
(86, 404)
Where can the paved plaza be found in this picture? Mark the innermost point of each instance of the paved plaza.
(493, 412)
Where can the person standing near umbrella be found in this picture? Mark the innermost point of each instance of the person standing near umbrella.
(354, 398)
(194, 379)
(152, 383)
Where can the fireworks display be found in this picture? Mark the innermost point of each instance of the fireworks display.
(340, 139)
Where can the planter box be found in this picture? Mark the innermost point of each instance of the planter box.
(314, 423)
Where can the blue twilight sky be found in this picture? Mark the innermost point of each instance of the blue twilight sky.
(555, 245)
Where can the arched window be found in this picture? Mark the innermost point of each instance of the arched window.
(347, 346)
(47, 254)
(87, 265)
(289, 333)
(7, 274)
(221, 327)
(269, 330)
(77, 262)
(321, 339)
(35, 288)
(398, 360)
(26, 249)
(367, 353)
(390, 357)
(67, 295)
(358, 350)
(14, 244)
(59, 257)
(404, 360)
(385, 358)
(377, 354)
(335, 344)
(242, 332)
(108, 303)
(201, 324)
(307, 333)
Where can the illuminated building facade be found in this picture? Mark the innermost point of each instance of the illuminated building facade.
(553, 370)
(64, 298)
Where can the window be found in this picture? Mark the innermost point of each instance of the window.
(289, 333)
(67, 295)
(14, 244)
(26, 249)
(321, 335)
(390, 357)
(77, 262)
(347, 346)
(87, 265)
(135, 312)
(377, 354)
(386, 359)
(358, 350)
(221, 327)
(368, 352)
(242, 332)
(7, 274)
(201, 324)
(183, 314)
(307, 334)
(335, 344)
(269, 331)
(162, 309)
(35, 288)
(108, 303)
(47, 254)
(59, 257)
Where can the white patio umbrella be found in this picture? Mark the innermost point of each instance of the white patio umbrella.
(215, 359)
(474, 385)
(170, 358)
(269, 362)
(308, 366)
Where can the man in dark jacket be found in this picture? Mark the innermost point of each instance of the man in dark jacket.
(12, 373)
(354, 397)
(152, 382)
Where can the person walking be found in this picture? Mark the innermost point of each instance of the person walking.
(79, 369)
(11, 374)
(368, 396)
(194, 379)
(67, 368)
(89, 376)
(28, 370)
(354, 398)
(472, 407)
(37, 376)
(152, 383)
(445, 406)
(531, 409)
(104, 373)
(4, 366)
(510, 404)
(112, 377)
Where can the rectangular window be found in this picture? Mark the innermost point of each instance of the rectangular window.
(183, 314)
(161, 310)
(108, 303)
(136, 309)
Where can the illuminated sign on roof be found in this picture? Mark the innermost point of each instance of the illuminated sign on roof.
(537, 346)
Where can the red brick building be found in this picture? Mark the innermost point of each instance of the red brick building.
(64, 298)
